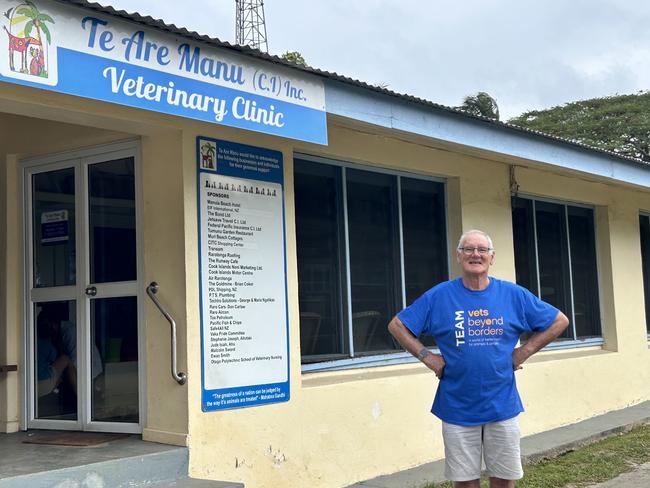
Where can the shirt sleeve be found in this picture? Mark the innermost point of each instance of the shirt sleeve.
(538, 314)
(417, 316)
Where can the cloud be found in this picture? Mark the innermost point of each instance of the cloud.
(527, 54)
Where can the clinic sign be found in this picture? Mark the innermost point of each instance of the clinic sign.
(72, 50)
(243, 291)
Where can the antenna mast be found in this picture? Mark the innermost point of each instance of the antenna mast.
(250, 27)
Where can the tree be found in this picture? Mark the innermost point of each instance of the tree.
(481, 104)
(619, 123)
(37, 20)
(294, 57)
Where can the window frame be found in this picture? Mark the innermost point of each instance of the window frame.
(399, 356)
(646, 293)
(575, 342)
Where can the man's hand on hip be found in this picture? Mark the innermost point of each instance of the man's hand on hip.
(519, 355)
(538, 340)
(436, 363)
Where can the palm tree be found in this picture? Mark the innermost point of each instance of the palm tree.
(37, 20)
(207, 149)
(481, 104)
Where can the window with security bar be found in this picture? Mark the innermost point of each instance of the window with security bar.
(369, 243)
(555, 258)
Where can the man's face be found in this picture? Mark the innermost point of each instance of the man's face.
(475, 264)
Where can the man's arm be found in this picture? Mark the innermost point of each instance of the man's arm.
(539, 340)
(408, 341)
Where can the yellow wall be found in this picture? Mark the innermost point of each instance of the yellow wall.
(36, 123)
(23, 137)
(345, 426)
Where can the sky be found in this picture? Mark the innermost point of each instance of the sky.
(528, 54)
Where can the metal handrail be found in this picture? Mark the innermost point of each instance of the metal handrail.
(152, 289)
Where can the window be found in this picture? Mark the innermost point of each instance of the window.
(644, 224)
(555, 258)
(368, 244)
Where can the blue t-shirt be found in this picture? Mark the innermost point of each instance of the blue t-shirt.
(476, 332)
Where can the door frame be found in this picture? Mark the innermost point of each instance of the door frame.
(80, 161)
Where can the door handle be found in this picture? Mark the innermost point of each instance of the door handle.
(91, 291)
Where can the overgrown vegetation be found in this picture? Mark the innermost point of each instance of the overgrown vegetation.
(481, 104)
(294, 57)
(620, 123)
(594, 463)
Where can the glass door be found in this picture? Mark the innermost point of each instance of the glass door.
(53, 297)
(84, 338)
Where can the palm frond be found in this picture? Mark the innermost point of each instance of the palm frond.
(46, 30)
(28, 11)
(45, 18)
(28, 28)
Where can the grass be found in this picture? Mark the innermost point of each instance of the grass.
(595, 463)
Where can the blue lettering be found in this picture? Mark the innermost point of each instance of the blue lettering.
(163, 56)
(235, 75)
(137, 40)
(192, 61)
(104, 41)
(262, 82)
(189, 63)
(94, 22)
(148, 47)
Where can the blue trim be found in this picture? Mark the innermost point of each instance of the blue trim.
(407, 358)
(97, 78)
(595, 341)
(407, 116)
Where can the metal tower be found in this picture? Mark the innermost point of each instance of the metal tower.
(250, 27)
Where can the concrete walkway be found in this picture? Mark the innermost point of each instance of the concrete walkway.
(638, 478)
(542, 445)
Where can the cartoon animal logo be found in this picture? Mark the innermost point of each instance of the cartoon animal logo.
(28, 39)
(208, 153)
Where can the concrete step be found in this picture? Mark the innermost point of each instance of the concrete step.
(164, 469)
(195, 483)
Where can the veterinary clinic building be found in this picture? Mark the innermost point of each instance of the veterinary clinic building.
(279, 216)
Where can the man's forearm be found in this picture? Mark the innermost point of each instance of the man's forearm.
(412, 344)
(407, 340)
(540, 339)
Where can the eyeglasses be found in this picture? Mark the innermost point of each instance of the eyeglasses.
(468, 251)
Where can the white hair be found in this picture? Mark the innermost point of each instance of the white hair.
(465, 235)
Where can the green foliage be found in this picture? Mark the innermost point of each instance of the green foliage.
(48, 36)
(28, 28)
(294, 57)
(594, 463)
(619, 123)
(481, 104)
(38, 20)
(27, 12)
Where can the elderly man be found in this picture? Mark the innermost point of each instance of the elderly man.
(476, 321)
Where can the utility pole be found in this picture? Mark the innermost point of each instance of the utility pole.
(250, 27)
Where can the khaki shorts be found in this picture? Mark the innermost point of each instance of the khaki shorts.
(496, 443)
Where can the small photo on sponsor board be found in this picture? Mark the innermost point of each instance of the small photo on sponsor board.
(207, 155)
